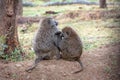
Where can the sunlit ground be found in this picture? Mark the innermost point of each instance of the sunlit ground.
(94, 33)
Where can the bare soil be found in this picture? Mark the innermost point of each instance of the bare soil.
(99, 64)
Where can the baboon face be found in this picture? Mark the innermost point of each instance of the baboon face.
(66, 32)
(52, 22)
(49, 22)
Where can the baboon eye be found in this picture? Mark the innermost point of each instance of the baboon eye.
(67, 33)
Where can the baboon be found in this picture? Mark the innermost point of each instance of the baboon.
(43, 43)
(70, 45)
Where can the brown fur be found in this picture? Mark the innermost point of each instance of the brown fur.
(71, 46)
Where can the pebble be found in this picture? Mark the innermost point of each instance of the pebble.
(18, 65)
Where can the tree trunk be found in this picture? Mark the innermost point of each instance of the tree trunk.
(8, 28)
(102, 3)
(20, 8)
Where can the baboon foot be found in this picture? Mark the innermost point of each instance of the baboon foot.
(58, 57)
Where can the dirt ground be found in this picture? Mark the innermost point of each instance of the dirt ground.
(99, 64)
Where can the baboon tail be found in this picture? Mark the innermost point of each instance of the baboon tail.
(37, 60)
(80, 62)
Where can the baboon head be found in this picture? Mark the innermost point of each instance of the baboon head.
(48, 22)
(68, 32)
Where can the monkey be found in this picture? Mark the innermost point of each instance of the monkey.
(70, 45)
(43, 42)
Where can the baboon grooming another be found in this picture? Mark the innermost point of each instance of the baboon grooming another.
(70, 45)
(43, 43)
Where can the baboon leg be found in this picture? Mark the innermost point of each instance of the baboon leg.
(37, 60)
(47, 57)
(80, 62)
(57, 51)
(58, 54)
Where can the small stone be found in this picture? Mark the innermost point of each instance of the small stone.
(18, 65)
(28, 77)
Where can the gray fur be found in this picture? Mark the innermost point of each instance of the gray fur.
(43, 43)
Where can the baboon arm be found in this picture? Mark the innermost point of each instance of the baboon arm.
(63, 44)
(57, 46)
(37, 60)
(58, 33)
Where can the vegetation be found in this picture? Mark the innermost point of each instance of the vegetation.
(92, 34)
(92, 37)
(40, 10)
(98, 29)
(2, 45)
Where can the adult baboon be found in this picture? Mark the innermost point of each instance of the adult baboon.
(70, 45)
(43, 43)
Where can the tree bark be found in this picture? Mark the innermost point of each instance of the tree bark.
(20, 8)
(8, 28)
(102, 3)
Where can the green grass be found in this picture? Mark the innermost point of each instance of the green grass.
(39, 10)
(94, 0)
(38, 2)
(107, 69)
(93, 33)
(60, 0)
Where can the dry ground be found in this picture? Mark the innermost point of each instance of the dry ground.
(99, 64)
